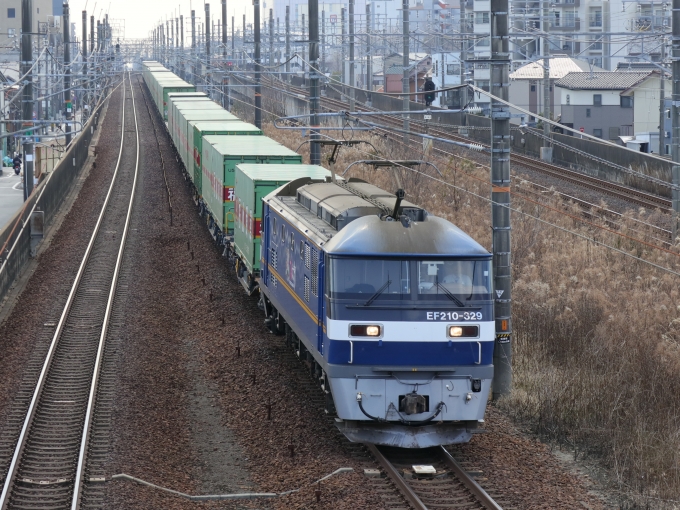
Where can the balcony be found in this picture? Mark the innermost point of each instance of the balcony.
(570, 24)
(595, 22)
(565, 3)
(644, 23)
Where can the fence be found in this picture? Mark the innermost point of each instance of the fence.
(15, 239)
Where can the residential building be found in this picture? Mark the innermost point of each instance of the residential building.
(446, 72)
(646, 115)
(592, 102)
(420, 67)
(526, 84)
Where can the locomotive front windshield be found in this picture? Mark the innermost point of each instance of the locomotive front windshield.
(394, 280)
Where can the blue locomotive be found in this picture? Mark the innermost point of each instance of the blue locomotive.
(391, 308)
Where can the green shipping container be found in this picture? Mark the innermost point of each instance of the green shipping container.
(175, 103)
(176, 120)
(186, 136)
(203, 128)
(253, 183)
(221, 154)
(172, 86)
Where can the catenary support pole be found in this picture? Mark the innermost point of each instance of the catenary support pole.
(288, 43)
(463, 54)
(27, 96)
(314, 92)
(343, 53)
(68, 105)
(662, 98)
(83, 70)
(258, 66)
(369, 53)
(193, 47)
(207, 40)
(675, 116)
(546, 150)
(304, 52)
(352, 81)
(271, 40)
(405, 85)
(500, 196)
(224, 29)
(322, 46)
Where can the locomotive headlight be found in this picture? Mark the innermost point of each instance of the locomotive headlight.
(463, 331)
(373, 330)
(365, 330)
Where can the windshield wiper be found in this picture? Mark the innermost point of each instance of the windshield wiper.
(378, 292)
(450, 295)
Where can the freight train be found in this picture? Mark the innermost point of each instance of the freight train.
(390, 307)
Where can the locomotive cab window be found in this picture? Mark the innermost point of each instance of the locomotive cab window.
(465, 279)
(376, 280)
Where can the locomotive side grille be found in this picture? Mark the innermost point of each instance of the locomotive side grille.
(306, 289)
(273, 258)
(274, 281)
(307, 256)
(315, 271)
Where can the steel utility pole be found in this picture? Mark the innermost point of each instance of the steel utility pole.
(271, 39)
(546, 150)
(369, 53)
(193, 47)
(233, 38)
(224, 29)
(258, 66)
(322, 47)
(463, 55)
(352, 81)
(314, 92)
(27, 96)
(225, 76)
(342, 46)
(500, 197)
(67, 72)
(304, 53)
(83, 70)
(662, 98)
(405, 86)
(675, 116)
(207, 40)
(288, 43)
(92, 39)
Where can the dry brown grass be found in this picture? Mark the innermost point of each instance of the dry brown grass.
(596, 333)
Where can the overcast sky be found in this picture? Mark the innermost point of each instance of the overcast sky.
(142, 15)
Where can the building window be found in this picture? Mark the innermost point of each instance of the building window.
(452, 69)
(483, 84)
(12, 32)
(597, 133)
(597, 99)
(668, 149)
(587, 112)
(668, 114)
(11, 12)
(568, 100)
(626, 102)
(533, 88)
(481, 18)
(484, 41)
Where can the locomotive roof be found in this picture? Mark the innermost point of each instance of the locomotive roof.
(435, 236)
(366, 233)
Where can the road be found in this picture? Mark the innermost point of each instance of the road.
(11, 195)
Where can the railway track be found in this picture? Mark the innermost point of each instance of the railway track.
(48, 451)
(431, 478)
(631, 195)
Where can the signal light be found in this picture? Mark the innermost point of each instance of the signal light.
(373, 330)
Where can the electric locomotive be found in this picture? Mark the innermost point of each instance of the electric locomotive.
(390, 306)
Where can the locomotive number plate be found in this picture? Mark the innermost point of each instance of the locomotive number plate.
(454, 316)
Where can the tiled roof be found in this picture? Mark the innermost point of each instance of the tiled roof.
(601, 81)
(559, 68)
